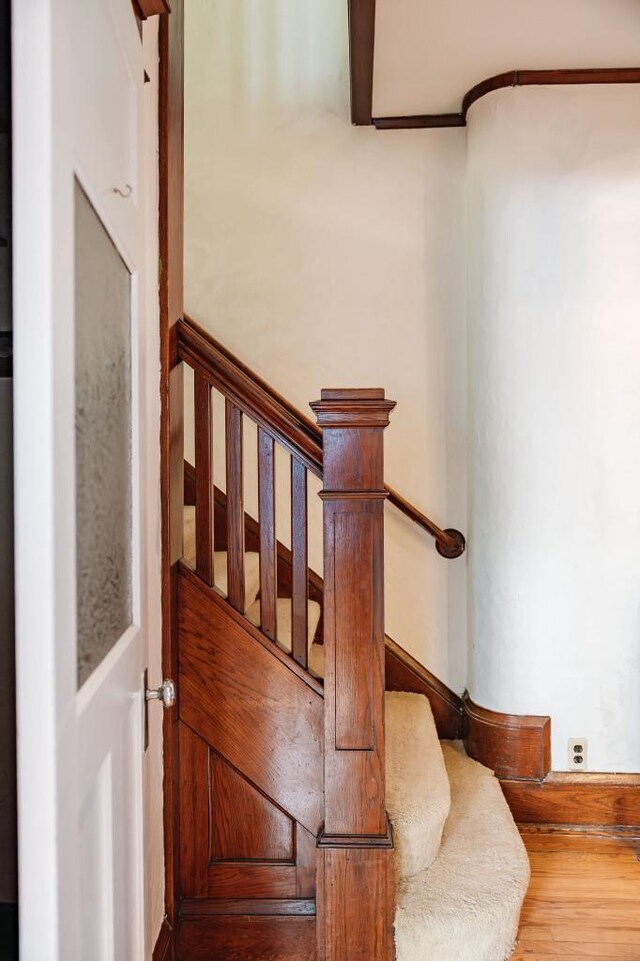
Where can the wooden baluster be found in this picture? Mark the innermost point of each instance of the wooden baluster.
(355, 857)
(299, 563)
(203, 478)
(267, 514)
(235, 507)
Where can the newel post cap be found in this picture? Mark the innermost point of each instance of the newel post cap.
(353, 407)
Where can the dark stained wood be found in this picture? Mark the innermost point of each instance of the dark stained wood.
(404, 673)
(245, 825)
(194, 814)
(419, 121)
(150, 8)
(299, 563)
(293, 430)
(510, 78)
(235, 509)
(203, 427)
(303, 907)
(512, 745)
(163, 949)
(352, 881)
(213, 596)
(171, 232)
(235, 842)
(243, 938)
(267, 527)
(362, 25)
(355, 896)
(249, 706)
(594, 799)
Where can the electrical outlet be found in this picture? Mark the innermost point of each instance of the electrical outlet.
(578, 758)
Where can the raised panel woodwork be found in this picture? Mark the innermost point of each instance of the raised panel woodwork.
(354, 641)
(245, 825)
(249, 706)
(234, 842)
(248, 939)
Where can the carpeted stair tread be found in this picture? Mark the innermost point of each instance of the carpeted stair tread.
(283, 620)
(466, 906)
(417, 785)
(251, 561)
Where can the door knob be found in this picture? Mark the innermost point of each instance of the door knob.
(165, 693)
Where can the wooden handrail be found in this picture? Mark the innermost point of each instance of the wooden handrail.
(297, 433)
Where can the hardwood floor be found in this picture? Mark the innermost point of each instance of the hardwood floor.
(584, 898)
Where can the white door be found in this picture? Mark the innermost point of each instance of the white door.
(86, 362)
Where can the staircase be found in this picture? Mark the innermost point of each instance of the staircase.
(320, 817)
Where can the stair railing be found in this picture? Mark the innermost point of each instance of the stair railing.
(294, 431)
(355, 889)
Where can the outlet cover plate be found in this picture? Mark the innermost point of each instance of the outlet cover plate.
(577, 754)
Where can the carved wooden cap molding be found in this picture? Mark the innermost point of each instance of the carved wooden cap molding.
(353, 407)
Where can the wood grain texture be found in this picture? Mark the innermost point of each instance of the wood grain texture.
(267, 529)
(249, 707)
(274, 907)
(512, 745)
(171, 233)
(235, 508)
(576, 799)
(243, 938)
(510, 78)
(355, 896)
(583, 897)
(245, 825)
(235, 842)
(355, 914)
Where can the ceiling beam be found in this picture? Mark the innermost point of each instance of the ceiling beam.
(362, 20)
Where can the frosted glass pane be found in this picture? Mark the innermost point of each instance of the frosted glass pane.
(103, 439)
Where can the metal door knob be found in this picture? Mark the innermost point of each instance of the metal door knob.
(165, 693)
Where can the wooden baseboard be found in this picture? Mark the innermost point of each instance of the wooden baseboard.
(570, 799)
(513, 745)
(404, 673)
(164, 949)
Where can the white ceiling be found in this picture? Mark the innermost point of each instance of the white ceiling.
(430, 52)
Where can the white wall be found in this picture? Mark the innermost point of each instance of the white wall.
(325, 255)
(554, 341)
(430, 52)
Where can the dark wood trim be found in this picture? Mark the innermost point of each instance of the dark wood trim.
(510, 78)
(260, 907)
(419, 121)
(241, 621)
(270, 410)
(512, 745)
(362, 27)
(171, 193)
(404, 673)
(164, 946)
(583, 799)
(150, 8)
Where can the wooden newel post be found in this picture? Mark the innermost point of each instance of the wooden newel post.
(355, 856)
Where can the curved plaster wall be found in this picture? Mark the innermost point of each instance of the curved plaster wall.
(554, 442)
